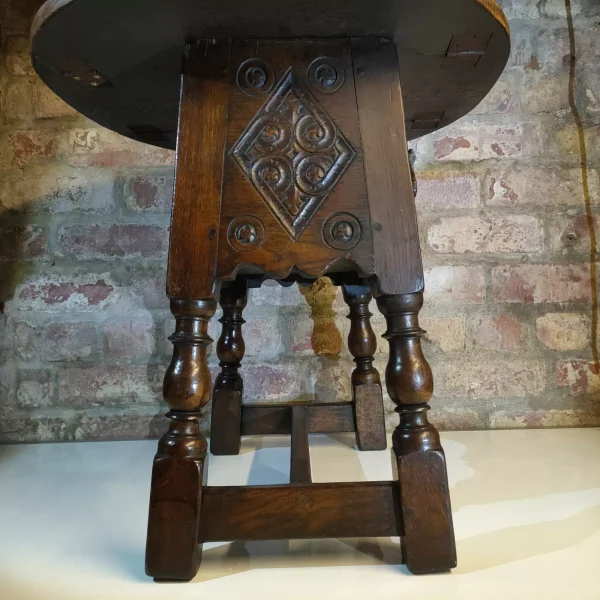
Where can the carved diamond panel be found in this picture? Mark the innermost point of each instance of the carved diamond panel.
(293, 154)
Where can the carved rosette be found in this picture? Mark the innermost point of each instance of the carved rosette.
(293, 154)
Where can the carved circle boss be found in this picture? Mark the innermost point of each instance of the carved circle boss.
(255, 77)
(246, 233)
(342, 231)
(326, 74)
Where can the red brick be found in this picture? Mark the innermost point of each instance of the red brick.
(541, 283)
(456, 148)
(54, 189)
(104, 148)
(109, 242)
(476, 141)
(455, 285)
(100, 385)
(148, 289)
(22, 242)
(264, 383)
(564, 331)
(482, 380)
(499, 332)
(502, 142)
(56, 341)
(441, 190)
(26, 146)
(66, 293)
(149, 193)
(129, 338)
(542, 187)
(581, 376)
(517, 233)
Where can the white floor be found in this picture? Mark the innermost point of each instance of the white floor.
(526, 512)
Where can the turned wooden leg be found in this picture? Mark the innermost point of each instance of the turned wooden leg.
(366, 383)
(226, 425)
(179, 472)
(428, 542)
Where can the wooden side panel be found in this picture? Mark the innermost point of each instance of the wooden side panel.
(276, 131)
(200, 147)
(391, 202)
(301, 511)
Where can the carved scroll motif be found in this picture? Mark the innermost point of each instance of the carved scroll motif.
(293, 154)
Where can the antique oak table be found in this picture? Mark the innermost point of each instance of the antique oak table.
(290, 127)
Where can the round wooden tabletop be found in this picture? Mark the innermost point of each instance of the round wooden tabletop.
(118, 61)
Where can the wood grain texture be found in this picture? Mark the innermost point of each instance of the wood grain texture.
(226, 416)
(408, 376)
(277, 420)
(300, 452)
(428, 544)
(370, 417)
(178, 476)
(201, 141)
(391, 200)
(137, 46)
(301, 511)
(366, 383)
(187, 383)
(277, 253)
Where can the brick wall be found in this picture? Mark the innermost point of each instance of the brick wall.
(83, 241)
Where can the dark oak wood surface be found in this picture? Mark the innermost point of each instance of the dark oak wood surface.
(292, 242)
(270, 419)
(202, 132)
(389, 182)
(291, 163)
(300, 453)
(226, 417)
(366, 383)
(300, 511)
(450, 52)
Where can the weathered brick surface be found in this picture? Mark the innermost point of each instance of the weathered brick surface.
(499, 332)
(541, 283)
(458, 235)
(111, 242)
(72, 292)
(129, 338)
(149, 193)
(564, 331)
(84, 219)
(455, 285)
